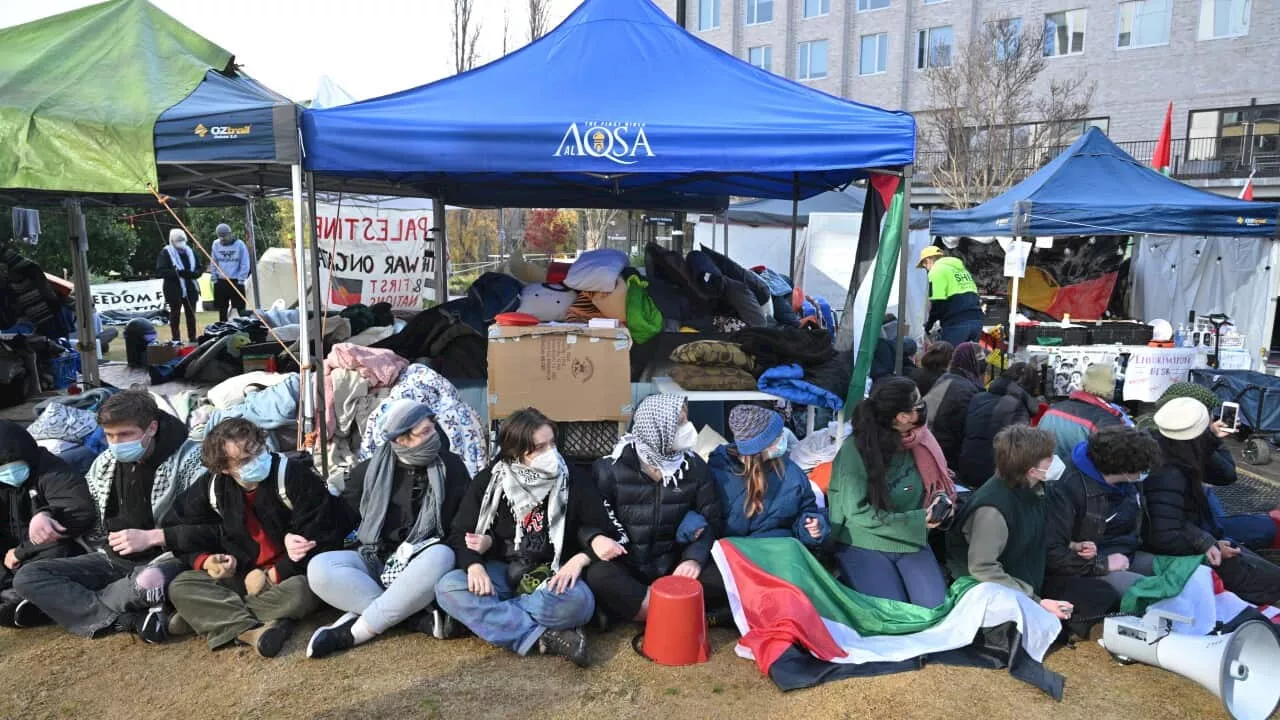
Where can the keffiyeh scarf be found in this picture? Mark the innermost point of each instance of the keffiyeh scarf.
(525, 489)
(653, 434)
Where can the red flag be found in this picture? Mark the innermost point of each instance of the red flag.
(1246, 192)
(1160, 159)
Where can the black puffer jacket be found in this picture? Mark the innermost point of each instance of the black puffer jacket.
(52, 487)
(1181, 522)
(1003, 404)
(1079, 507)
(648, 513)
(948, 402)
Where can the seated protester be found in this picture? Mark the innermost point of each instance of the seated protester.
(762, 492)
(47, 506)
(519, 559)
(406, 496)
(948, 400)
(666, 511)
(1095, 510)
(134, 486)
(1182, 521)
(248, 528)
(1085, 411)
(999, 536)
(885, 481)
(933, 363)
(1010, 400)
(882, 361)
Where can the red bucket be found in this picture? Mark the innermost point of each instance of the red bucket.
(675, 632)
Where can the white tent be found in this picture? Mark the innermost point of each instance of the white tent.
(277, 276)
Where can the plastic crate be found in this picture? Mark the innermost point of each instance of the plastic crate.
(587, 440)
(1120, 333)
(65, 369)
(1056, 335)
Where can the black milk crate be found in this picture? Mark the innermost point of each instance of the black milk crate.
(1120, 333)
(587, 440)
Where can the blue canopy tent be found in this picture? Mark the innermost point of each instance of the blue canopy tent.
(1095, 188)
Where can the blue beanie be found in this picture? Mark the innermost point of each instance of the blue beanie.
(755, 429)
(401, 416)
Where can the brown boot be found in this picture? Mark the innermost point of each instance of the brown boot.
(268, 639)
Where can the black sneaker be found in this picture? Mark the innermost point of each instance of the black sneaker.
(273, 637)
(128, 622)
(568, 644)
(600, 621)
(444, 627)
(8, 610)
(27, 615)
(332, 639)
(154, 626)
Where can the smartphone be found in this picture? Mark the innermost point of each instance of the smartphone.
(939, 510)
(1229, 415)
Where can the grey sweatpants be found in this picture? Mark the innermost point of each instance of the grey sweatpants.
(1142, 565)
(344, 580)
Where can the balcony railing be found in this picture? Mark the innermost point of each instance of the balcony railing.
(1196, 159)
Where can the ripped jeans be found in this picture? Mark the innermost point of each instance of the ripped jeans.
(86, 594)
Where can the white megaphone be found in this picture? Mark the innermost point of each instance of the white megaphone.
(1242, 668)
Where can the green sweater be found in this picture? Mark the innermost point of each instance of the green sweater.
(900, 528)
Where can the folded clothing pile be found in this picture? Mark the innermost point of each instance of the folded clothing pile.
(712, 365)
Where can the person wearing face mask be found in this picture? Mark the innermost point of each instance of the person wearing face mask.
(999, 537)
(228, 271)
(178, 266)
(406, 495)
(45, 506)
(889, 487)
(650, 485)
(246, 531)
(521, 548)
(1095, 512)
(1181, 518)
(762, 492)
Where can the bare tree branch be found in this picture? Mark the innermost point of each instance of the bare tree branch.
(596, 226)
(539, 18)
(465, 35)
(993, 119)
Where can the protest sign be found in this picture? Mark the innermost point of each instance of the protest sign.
(136, 296)
(372, 252)
(1152, 370)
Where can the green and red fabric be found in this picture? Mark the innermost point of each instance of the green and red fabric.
(878, 241)
(1162, 158)
(803, 627)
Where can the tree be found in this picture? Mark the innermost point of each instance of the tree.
(550, 231)
(466, 35)
(993, 118)
(539, 18)
(596, 225)
(471, 234)
(112, 242)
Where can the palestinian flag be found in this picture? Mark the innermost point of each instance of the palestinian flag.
(803, 627)
(879, 241)
(1186, 586)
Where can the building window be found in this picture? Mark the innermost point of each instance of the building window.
(811, 60)
(933, 49)
(708, 14)
(1064, 33)
(814, 8)
(1005, 37)
(1224, 18)
(759, 11)
(761, 57)
(1202, 135)
(1143, 23)
(873, 55)
(933, 2)
(864, 5)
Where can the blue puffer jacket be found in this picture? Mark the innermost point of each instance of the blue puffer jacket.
(788, 502)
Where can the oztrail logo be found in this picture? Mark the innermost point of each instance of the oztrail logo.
(624, 143)
(223, 132)
(201, 130)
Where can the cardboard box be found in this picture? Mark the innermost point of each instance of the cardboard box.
(570, 373)
(160, 354)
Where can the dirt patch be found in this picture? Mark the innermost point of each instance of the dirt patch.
(46, 673)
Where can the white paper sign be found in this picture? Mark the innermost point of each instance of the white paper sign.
(1152, 370)
(134, 296)
(371, 254)
(1015, 258)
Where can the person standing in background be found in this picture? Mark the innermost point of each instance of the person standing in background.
(953, 297)
(178, 267)
(229, 269)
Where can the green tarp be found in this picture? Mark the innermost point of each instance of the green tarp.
(80, 93)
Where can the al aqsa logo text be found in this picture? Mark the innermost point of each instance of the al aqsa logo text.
(624, 143)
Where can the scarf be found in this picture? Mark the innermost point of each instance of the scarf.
(524, 489)
(930, 463)
(379, 482)
(178, 266)
(653, 433)
(968, 362)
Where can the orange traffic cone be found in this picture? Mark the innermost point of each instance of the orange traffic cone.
(676, 630)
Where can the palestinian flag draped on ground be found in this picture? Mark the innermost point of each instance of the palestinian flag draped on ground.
(879, 241)
(1186, 586)
(803, 627)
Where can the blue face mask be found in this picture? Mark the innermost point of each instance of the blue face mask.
(131, 451)
(779, 449)
(257, 469)
(15, 473)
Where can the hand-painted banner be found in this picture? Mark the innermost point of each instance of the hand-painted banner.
(372, 253)
(138, 296)
(1152, 370)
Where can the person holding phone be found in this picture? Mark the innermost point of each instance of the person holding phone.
(890, 486)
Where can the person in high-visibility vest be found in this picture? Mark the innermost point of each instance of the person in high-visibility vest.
(953, 297)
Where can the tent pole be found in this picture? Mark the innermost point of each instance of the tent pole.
(322, 421)
(726, 233)
(86, 337)
(252, 237)
(795, 221)
(441, 250)
(304, 327)
(903, 259)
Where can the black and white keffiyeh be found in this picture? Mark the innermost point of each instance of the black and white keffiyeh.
(525, 489)
(653, 434)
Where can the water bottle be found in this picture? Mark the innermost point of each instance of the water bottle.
(1179, 335)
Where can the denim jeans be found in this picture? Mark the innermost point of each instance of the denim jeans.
(510, 621)
(87, 593)
(905, 577)
(958, 332)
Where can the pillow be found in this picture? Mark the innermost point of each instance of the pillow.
(694, 377)
(713, 353)
(582, 309)
(596, 270)
(612, 304)
(547, 302)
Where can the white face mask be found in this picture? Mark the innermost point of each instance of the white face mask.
(1056, 468)
(548, 463)
(686, 437)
